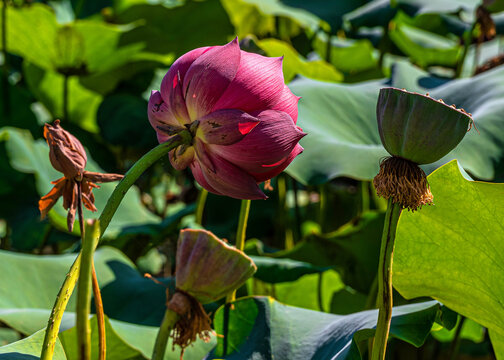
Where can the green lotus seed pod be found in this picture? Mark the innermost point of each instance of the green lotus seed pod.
(207, 268)
(417, 127)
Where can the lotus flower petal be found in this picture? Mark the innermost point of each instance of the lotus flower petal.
(288, 102)
(160, 116)
(200, 178)
(272, 171)
(230, 180)
(179, 67)
(226, 127)
(240, 114)
(177, 102)
(208, 268)
(209, 76)
(267, 146)
(181, 157)
(258, 84)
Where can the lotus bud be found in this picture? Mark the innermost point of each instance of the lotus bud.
(207, 270)
(415, 129)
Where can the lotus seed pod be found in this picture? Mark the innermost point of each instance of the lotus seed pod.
(417, 127)
(207, 268)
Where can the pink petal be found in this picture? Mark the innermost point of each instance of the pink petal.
(271, 172)
(203, 155)
(160, 115)
(257, 86)
(180, 66)
(181, 157)
(225, 127)
(229, 180)
(200, 178)
(288, 102)
(177, 102)
(269, 144)
(209, 76)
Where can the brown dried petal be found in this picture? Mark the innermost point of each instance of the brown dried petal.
(101, 178)
(87, 194)
(66, 153)
(49, 200)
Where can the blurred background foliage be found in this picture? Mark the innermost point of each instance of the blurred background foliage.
(93, 63)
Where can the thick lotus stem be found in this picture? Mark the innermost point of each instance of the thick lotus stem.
(404, 182)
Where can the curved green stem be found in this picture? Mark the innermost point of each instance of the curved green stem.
(467, 37)
(60, 304)
(455, 345)
(240, 236)
(385, 281)
(320, 298)
(169, 320)
(65, 97)
(200, 206)
(5, 66)
(91, 237)
(106, 216)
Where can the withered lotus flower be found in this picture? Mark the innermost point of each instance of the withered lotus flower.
(415, 129)
(68, 156)
(207, 269)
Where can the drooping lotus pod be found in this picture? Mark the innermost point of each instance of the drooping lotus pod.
(207, 268)
(417, 127)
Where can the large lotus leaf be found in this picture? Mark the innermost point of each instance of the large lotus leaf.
(202, 23)
(260, 327)
(374, 13)
(36, 46)
(347, 55)
(353, 250)
(311, 291)
(330, 11)
(47, 86)
(470, 330)
(343, 136)
(344, 140)
(459, 237)
(29, 156)
(423, 47)
(127, 295)
(129, 341)
(485, 52)
(85, 45)
(442, 24)
(416, 7)
(294, 64)
(260, 17)
(404, 75)
(8, 336)
(277, 270)
(29, 349)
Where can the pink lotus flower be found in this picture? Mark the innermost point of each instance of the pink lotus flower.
(242, 116)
